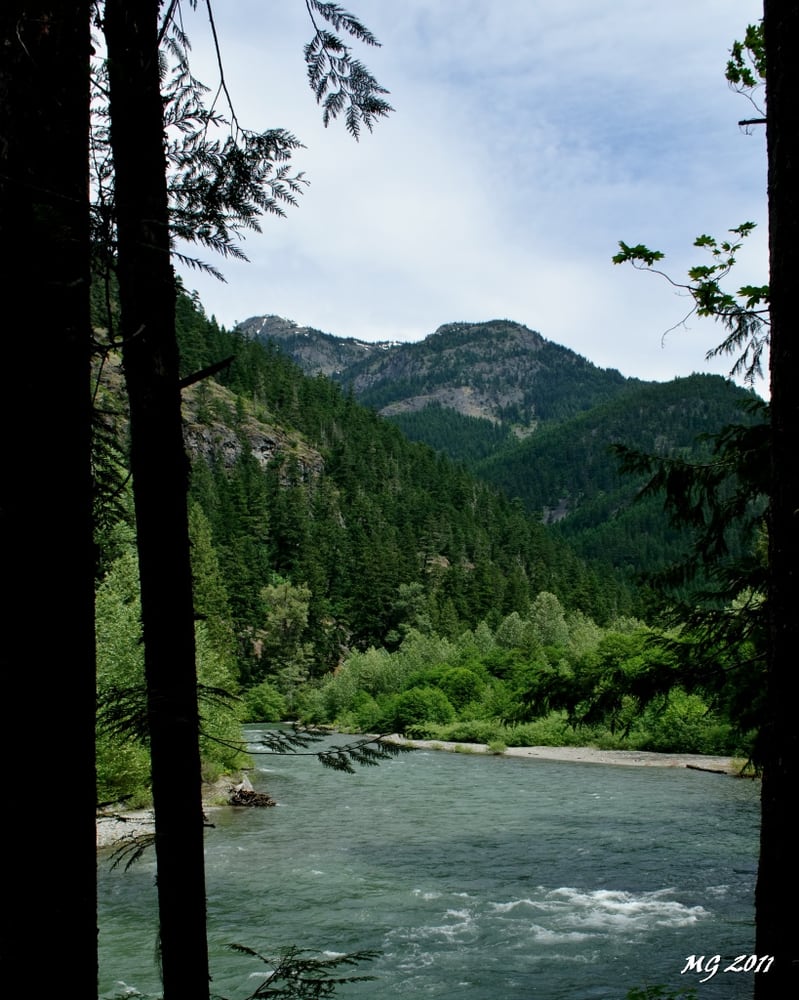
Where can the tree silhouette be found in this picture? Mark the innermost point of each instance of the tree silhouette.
(213, 191)
(46, 492)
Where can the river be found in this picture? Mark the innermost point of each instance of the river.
(476, 877)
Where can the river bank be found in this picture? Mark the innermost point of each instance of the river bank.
(116, 827)
(590, 755)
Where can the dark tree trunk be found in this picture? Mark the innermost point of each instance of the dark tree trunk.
(46, 497)
(778, 876)
(160, 482)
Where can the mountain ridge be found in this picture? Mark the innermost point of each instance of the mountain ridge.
(499, 370)
(316, 352)
(533, 418)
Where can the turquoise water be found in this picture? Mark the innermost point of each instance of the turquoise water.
(477, 877)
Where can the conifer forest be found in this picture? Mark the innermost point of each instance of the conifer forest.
(480, 537)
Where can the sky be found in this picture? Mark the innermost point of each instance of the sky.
(528, 138)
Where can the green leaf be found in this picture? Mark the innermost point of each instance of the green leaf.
(639, 253)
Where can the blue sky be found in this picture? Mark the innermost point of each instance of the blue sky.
(528, 139)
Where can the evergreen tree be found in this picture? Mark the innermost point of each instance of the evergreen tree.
(160, 484)
(211, 193)
(750, 329)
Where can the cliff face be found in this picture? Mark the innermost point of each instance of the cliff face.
(317, 353)
(215, 431)
(498, 370)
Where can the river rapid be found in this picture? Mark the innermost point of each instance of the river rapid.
(475, 877)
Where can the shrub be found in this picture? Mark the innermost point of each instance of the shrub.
(471, 731)
(264, 703)
(683, 725)
(419, 706)
(460, 685)
(123, 772)
(551, 731)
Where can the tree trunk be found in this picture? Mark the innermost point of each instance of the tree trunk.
(778, 875)
(46, 496)
(160, 481)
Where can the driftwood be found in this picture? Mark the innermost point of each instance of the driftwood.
(241, 795)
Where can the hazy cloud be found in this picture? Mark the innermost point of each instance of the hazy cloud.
(528, 139)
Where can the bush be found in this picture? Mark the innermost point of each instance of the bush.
(365, 716)
(460, 685)
(264, 703)
(552, 731)
(123, 772)
(683, 725)
(419, 706)
(471, 731)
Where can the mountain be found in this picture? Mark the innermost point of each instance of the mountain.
(500, 371)
(315, 352)
(303, 487)
(533, 418)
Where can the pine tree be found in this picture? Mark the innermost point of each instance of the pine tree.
(212, 191)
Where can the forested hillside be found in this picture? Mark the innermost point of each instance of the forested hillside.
(534, 419)
(345, 575)
(569, 474)
(353, 510)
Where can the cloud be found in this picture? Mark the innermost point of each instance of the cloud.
(528, 139)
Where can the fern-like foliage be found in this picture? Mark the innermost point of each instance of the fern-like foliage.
(296, 975)
(219, 187)
(366, 752)
(223, 178)
(341, 83)
(122, 711)
(131, 849)
(110, 473)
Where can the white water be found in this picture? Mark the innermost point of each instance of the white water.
(476, 877)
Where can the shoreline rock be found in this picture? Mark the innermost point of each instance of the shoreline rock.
(118, 826)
